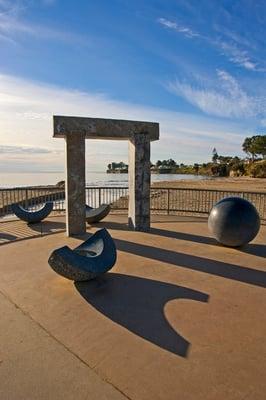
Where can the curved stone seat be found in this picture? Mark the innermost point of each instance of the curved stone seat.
(95, 256)
(97, 214)
(32, 216)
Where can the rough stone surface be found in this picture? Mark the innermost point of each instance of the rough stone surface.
(75, 184)
(139, 134)
(139, 183)
(102, 128)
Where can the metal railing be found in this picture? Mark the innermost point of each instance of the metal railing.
(185, 201)
(117, 196)
(31, 198)
(199, 201)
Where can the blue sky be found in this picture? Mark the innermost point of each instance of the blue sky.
(197, 67)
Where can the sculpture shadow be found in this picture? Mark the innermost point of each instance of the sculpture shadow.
(7, 236)
(254, 249)
(123, 226)
(250, 248)
(214, 267)
(113, 225)
(162, 232)
(222, 269)
(47, 227)
(137, 305)
(172, 219)
(184, 236)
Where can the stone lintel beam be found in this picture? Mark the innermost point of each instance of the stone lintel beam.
(102, 128)
(139, 182)
(75, 185)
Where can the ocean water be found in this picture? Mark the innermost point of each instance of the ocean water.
(8, 180)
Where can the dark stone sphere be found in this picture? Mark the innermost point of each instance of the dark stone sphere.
(234, 221)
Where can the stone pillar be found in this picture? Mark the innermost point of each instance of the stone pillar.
(139, 182)
(75, 184)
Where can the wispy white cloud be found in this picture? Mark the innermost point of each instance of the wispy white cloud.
(235, 37)
(6, 4)
(28, 115)
(178, 28)
(9, 25)
(13, 25)
(225, 99)
(232, 50)
(5, 38)
(23, 150)
(26, 121)
(238, 56)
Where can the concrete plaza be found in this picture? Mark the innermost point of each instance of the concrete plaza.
(178, 317)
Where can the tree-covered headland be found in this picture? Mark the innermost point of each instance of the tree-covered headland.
(254, 164)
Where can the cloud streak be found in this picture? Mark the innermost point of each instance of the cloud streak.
(23, 150)
(178, 28)
(231, 49)
(226, 99)
(12, 26)
(239, 57)
(26, 122)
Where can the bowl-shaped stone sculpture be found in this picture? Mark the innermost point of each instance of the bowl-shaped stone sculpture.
(32, 216)
(94, 215)
(234, 221)
(93, 257)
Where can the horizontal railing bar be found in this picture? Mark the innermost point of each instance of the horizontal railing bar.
(106, 187)
(207, 190)
(52, 188)
(163, 199)
(126, 187)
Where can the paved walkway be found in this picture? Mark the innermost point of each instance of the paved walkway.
(179, 317)
(35, 365)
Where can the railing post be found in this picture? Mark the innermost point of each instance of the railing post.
(100, 197)
(168, 201)
(27, 199)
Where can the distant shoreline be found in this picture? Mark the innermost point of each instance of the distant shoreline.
(103, 179)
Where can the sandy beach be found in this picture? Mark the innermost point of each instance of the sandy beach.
(242, 184)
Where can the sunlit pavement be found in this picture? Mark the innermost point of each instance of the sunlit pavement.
(178, 317)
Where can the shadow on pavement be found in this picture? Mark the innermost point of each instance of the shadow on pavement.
(251, 248)
(196, 263)
(255, 249)
(46, 227)
(7, 236)
(137, 304)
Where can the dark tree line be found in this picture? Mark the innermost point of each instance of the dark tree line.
(221, 165)
(255, 146)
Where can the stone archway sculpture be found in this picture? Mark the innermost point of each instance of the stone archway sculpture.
(139, 134)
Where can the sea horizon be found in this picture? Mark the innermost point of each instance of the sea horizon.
(95, 178)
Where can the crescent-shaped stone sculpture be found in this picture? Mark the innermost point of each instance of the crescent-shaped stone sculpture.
(94, 257)
(97, 214)
(32, 216)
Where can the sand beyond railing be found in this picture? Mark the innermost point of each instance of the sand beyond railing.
(242, 184)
